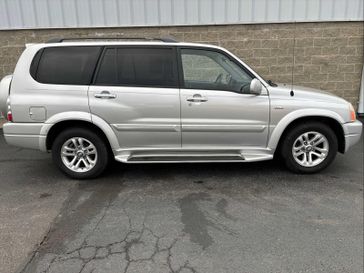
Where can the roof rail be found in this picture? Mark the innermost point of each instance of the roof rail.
(163, 39)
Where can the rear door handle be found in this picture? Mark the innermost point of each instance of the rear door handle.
(197, 98)
(105, 95)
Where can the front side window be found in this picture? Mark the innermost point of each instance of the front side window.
(211, 70)
(150, 67)
(66, 65)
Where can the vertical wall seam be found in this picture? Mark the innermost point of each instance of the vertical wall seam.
(90, 11)
(333, 10)
(34, 6)
(213, 19)
(346, 8)
(20, 6)
(117, 11)
(50, 20)
(76, 13)
(159, 11)
(253, 10)
(293, 14)
(145, 17)
(361, 10)
(7, 13)
(239, 10)
(225, 10)
(172, 11)
(62, 14)
(320, 10)
(306, 10)
(103, 13)
(266, 9)
(185, 11)
(131, 8)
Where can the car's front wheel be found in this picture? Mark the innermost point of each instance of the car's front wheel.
(80, 153)
(309, 147)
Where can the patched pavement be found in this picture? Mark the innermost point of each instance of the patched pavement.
(183, 218)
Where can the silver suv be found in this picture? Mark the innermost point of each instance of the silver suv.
(163, 101)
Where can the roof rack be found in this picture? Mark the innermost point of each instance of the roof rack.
(163, 39)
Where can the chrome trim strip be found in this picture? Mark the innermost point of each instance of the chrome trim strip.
(223, 128)
(147, 127)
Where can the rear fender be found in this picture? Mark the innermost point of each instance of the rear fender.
(81, 116)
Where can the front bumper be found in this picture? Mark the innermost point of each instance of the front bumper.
(25, 135)
(353, 132)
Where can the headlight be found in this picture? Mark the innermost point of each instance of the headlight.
(352, 112)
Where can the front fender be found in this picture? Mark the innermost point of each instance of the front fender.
(292, 116)
(79, 116)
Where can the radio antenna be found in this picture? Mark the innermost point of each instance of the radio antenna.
(293, 57)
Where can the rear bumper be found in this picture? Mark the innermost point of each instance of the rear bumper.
(353, 132)
(25, 135)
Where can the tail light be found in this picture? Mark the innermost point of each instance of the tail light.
(9, 116)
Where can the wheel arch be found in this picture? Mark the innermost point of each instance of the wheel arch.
(333, 120)
(57, 123)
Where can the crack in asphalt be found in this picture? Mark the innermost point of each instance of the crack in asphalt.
(132, 238)
(140, 244)
(87, 253)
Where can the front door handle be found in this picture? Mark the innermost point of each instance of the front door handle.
(105, 95)
(197, 98)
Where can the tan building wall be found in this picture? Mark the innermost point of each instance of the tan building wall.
(327, 56)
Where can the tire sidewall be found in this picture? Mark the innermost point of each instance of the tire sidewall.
(102, 152)
(294, 133)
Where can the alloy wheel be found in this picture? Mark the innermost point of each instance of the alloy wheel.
(310, 149)
(79, 154)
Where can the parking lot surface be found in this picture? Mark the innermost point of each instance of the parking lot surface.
(183, 218)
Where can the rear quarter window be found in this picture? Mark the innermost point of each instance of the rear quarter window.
(65, 65)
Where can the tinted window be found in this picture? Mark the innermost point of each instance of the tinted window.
(34, 64)
(138, 67)
(204, 69)
(67, 65)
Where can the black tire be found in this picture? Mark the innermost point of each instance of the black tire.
(290, 138)
(95, 139)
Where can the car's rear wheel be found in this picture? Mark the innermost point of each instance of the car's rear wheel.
(80, 153)
(309, 147)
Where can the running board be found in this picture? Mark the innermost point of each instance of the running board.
(190, 156)
(185, 158)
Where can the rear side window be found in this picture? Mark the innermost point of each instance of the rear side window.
(153, 67)
(66, 65)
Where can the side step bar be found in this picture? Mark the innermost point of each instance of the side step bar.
(186, 158)
(159, 156)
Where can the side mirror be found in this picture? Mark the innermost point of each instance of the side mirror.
(256, 87)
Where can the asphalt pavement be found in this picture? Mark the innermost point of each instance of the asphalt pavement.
(252, 217)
